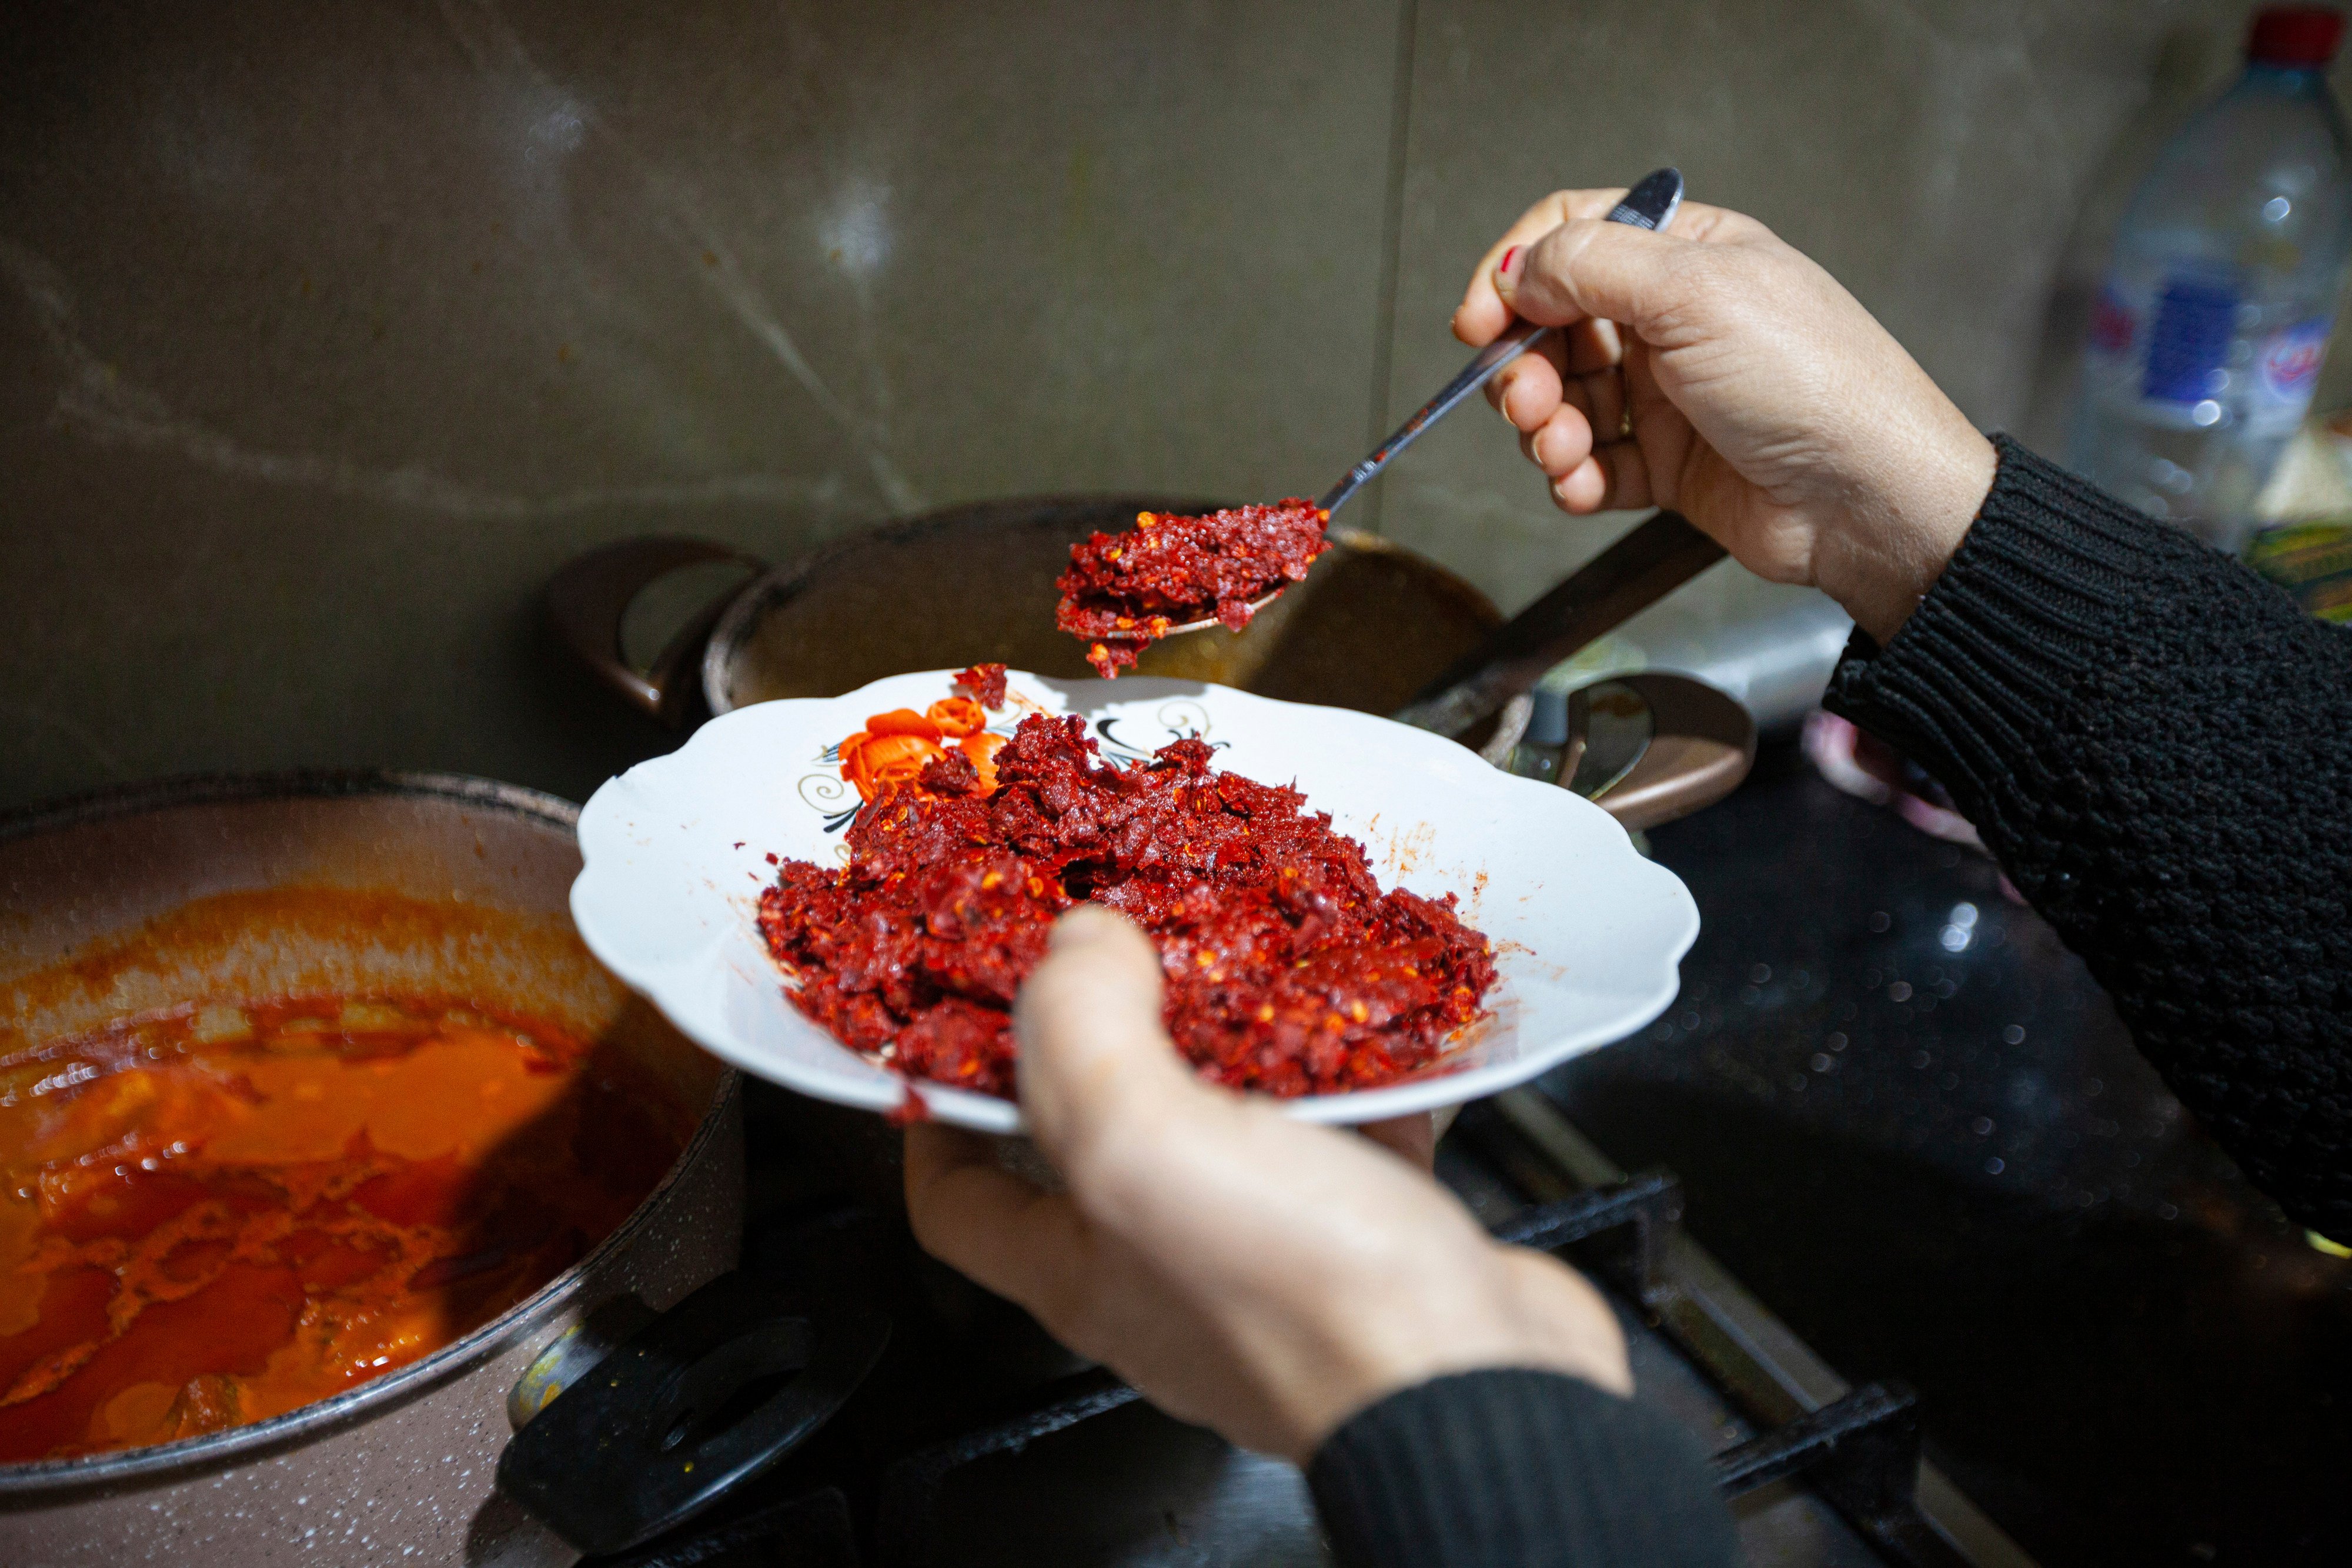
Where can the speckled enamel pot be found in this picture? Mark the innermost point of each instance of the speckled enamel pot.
(96, 898)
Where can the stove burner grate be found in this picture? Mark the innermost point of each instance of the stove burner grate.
(1857, 1448)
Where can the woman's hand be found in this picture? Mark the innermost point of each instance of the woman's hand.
(1716, 371)
(1252, 1273)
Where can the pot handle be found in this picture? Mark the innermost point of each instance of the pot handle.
(700, 1400)
(1649, 561)
(1702, 744)
(587, 598)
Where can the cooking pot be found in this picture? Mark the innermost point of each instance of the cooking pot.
(237, 889)
(972, 583)
(1369, 629)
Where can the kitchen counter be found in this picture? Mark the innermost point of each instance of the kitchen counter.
(1908, 1120)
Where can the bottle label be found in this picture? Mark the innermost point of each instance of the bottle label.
(2286, 374)
(2313, 562)
(2113, 323)
(2188, 342)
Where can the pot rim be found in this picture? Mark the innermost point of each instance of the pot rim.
(291, 784)
(751, 602)
(452, 1360)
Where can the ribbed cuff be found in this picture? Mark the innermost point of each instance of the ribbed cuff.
(2039, 590)
(1526, 1468)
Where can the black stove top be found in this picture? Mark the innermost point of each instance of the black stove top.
(977, 1441)
(1907, 1119)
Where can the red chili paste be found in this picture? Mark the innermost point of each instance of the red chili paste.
(984, 684)
(1123, 591)
(1289, 970)
(215, 1216)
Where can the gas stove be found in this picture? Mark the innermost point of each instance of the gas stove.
(977, 1441)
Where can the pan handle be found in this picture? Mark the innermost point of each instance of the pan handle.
(1650, 561)
(692, 1403)
(587, 598)
(1702, 744)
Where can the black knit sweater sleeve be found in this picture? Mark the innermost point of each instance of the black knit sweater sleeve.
(2157, 745)
(1506, 1468)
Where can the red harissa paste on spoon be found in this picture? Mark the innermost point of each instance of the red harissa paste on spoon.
(1123, 591)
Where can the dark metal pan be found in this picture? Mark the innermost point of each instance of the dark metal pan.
(1370, 629)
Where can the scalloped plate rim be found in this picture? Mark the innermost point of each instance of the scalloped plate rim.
(678, 984)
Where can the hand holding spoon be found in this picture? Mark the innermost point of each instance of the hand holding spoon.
(1650, 205)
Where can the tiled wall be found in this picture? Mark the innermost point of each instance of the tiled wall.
(328, 332)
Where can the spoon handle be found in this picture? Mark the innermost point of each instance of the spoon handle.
(1648, 205)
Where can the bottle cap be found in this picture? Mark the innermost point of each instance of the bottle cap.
(1548, 725)
(2293, 35)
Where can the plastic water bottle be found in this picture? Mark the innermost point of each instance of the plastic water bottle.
(2206, 341)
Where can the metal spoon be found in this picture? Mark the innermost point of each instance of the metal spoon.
(1651, 204)
(1614, 728)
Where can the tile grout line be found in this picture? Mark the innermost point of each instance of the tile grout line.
(1391, 247)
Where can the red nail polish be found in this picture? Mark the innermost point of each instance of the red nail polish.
(1505, 270)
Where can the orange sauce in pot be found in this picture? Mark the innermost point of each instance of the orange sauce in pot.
(217, 1214)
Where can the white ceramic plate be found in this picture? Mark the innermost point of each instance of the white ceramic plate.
(1586, 934)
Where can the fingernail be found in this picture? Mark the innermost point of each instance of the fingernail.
(1503, 273)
